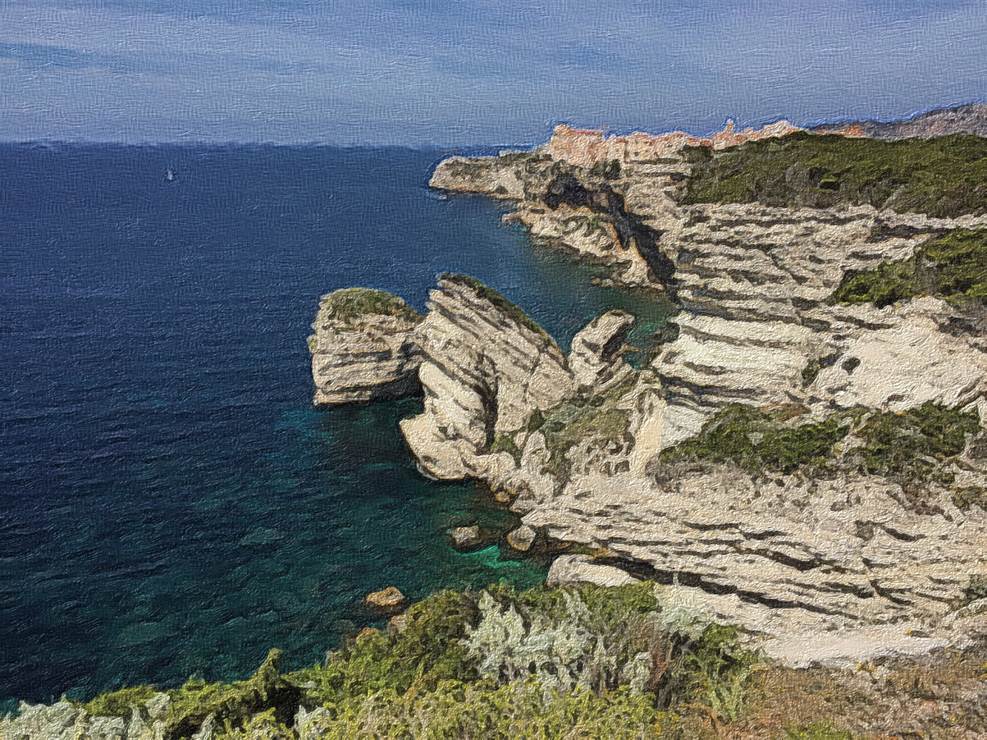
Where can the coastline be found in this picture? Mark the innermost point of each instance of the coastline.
(618, 463)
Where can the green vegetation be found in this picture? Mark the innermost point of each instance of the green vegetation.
(607, 169)
(581, 419)
(817, 731)
(964, 498)
(232, 704)
(500, 663)
(118, 703)
(353, 303)
(506, 443)
(943, 177)
(426, 652)
(952, 266)
(758, 441)
(977, 588)
(491, 295)
(913, 448)
(910, 447)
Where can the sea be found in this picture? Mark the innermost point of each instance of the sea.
(171, 504)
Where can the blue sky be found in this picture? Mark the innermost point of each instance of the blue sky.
(455, 72)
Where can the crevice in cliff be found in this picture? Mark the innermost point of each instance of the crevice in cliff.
(632, 232)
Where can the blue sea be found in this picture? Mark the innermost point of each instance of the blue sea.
(170, 502)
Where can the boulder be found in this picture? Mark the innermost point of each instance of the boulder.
(465, 538)
(387, 598)
(522, 538)
(568, 570)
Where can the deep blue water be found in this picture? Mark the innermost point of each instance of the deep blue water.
(170, 502)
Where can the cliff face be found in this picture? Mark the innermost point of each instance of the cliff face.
(363, 348)
(485, 369)
(794, 463)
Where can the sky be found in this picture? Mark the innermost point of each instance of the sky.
(462, 72)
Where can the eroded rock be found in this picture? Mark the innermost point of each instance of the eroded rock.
(363, 347)
(569, 570)
(388, 598)
(522, 538)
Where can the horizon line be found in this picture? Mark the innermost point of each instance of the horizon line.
(428, 146)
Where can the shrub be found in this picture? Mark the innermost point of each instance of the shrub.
(353, 303)
(576, 650)
(757, 442)
(506, 443)
(119, 703)
(817, 731)
(427, 651)
(952, 266)
(482, 710)
(910, 447)
(233, 704)
(945, 176)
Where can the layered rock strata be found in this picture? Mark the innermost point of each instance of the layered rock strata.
(485, 368)
(363, 347)
(577, 444)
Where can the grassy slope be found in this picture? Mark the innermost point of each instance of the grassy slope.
(499, 663)
(941, 177)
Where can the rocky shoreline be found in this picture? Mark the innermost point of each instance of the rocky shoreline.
(587, 449)
(800, 465)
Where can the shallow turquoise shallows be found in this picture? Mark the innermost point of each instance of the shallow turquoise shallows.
(170, 502)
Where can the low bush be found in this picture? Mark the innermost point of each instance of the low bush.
(952, 266)
(757, 441)
(944, 177)
(913, 448)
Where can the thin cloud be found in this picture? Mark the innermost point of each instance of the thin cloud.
(430, 72)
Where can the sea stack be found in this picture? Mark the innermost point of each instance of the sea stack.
(363, 347)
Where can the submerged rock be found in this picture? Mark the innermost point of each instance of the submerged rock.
(363, 347)
(465, 538)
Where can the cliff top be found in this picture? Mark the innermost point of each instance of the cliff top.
(352, 303)
(498, 300)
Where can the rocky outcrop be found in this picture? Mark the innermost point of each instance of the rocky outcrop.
(758, 326)
(486, 367)
(496, 177)
(363, 347)
(595, 360)
(781, 553)
(569, 570)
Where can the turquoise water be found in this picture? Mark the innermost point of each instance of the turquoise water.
(170, 502)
